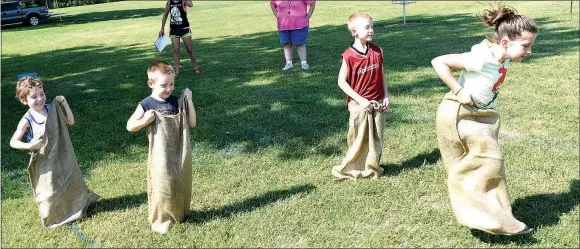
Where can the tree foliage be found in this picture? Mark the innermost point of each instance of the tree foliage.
(53, 4)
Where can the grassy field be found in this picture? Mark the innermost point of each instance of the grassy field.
(267, 139)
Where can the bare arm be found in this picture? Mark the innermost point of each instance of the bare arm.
(385, 86)
(343, 84)
(70, 119)
(140, 119)
(16, 142)
(164, 19)
(189, 3)
(274, 10)
(386, 101)
(443, 65)
(311, 9)
(191, 116)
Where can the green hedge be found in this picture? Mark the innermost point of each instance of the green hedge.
(53, 4)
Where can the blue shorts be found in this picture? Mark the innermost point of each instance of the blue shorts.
(294, 37)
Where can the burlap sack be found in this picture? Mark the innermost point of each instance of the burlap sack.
(468, 141)
(365, 143)
(169, 169)
(57, 183)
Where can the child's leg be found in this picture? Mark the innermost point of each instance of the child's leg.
(188, 47)
(176, 51)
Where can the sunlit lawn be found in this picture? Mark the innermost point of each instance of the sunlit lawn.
(267, 139)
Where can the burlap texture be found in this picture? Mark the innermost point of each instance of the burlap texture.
(365, 143)
(468, 141)
(57, 183)
(169, 172)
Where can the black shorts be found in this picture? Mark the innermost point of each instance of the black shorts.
(180, 32)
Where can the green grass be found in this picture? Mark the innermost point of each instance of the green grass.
(267, 139)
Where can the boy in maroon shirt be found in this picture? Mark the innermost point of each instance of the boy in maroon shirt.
(361, 78)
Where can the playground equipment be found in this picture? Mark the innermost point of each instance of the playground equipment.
(404, 3)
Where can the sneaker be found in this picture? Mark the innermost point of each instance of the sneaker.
(288, 66)
(305, 66)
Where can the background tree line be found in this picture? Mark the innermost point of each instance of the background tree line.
(54, 4)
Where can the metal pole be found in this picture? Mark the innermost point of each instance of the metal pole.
(404, 13)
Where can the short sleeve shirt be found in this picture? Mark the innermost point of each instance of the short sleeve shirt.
(291, 13)
(483, 74)
(169, 106)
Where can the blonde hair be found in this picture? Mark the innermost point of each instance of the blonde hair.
(352, 19)
(507, 22)
(158, 68)
(25, 86)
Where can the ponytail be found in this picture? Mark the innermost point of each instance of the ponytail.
(507, 22)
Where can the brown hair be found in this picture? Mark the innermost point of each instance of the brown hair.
(25, 86)
(158, 68)
(507, 22)
(352, 18)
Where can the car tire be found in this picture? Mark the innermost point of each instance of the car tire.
(33, 20)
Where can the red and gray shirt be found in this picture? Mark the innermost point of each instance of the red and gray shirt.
(365, 72)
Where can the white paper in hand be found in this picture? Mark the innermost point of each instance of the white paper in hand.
(161, 42)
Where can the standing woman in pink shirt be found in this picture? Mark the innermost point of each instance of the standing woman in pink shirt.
(293, 20)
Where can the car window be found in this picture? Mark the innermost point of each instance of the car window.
(9, 6)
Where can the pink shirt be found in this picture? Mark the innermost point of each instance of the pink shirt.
(291, 13)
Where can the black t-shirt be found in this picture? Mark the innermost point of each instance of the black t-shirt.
(177, 15)
(168, 107)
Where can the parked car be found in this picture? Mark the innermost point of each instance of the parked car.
(27, 11)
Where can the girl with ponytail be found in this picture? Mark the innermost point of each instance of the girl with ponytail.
(468, 123)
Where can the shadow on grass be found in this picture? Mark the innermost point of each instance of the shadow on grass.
(536, 211)
(421, 160)
(244, 102)
(520, 240)
(59, 20)
(248, 205)
(117, 203)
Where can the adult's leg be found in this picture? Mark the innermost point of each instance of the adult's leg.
(288, 56)
(287, 46)
(288, 52)
(302, 54)
(299, 40)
